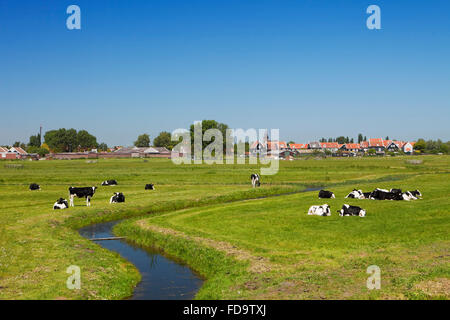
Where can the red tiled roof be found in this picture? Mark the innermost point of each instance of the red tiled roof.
(3, 149)
(329, 145)
(352, 146)
(283, 145)
(298, 146)
(273, 145)
(387, 142)
(364, 144)
(376, 142)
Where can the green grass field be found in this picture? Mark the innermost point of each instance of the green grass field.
(245, 246)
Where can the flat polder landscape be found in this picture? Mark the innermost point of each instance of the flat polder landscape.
(246, 243)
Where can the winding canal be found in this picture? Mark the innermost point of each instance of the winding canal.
(162, 278)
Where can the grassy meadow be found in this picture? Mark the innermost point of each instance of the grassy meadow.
(247, 243)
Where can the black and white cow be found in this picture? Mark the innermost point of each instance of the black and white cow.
(109, 183)
(323, 210)
(324, 194)
(379, 194)
(117, 198)
(35, 186)
(255, 180)
(416, 193)
(356, 194)
(348, 210)
(150, 186)
(61, 204)
(85, 192)
(366, 195)
(408, 196)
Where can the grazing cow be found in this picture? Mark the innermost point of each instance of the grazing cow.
(323, 210)
(355, 194)
(326, 194)
(86, 192)
(109, 183)
(149, 186)
(35, 186)
(117, 197)
(416, 193)
(348, 210)
(255, 180)
(61, 204)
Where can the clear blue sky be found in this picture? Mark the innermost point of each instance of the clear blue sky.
(308, 67)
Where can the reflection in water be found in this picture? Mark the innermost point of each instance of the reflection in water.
(162, 278)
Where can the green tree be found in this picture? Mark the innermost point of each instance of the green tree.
(360, 138)
(164, 139)
(85, 140)
(67, 140)
(420, 145)
(40, 151)
(341, 140)
(142, 141)
(35, 141)
(103, 147)
(211, 124)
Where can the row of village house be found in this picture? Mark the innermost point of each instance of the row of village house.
(273, 148)
(380, 146)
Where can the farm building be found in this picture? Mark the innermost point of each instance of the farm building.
(330, 146)
(408, 148)
(351, 147)
(314, 145)
(377, 144)
(135, 152)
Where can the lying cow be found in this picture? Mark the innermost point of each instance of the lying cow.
(366, 195)
(109, 183)
(381, 194)
(408, 195)
(323, 210)
(61, 204)
(324, 194)
(416, 194)
(35, 186)
(117, 198)
(149, 186)
(348, 210)
(356, 194)
(85, 192)
(255, 180)
(393, 194)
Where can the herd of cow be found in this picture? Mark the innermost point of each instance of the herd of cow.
(348, 210)
(320, 210)
(87, 193)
